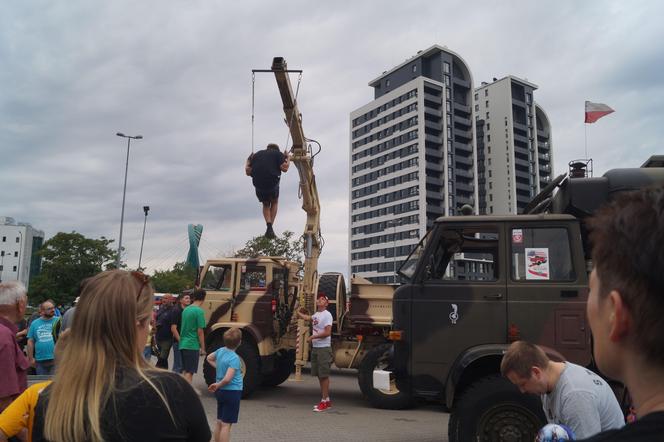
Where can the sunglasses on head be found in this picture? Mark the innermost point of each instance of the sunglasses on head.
(143, 279)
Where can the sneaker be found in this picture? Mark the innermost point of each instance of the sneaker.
(322, 406)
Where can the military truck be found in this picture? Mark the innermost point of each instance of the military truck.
(477, 283)
(261, 294)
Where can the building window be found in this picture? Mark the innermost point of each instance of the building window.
(448, 106)
(476, 97)
(2, 253)
(488, 137)
(387, 83)
(414, 68)
(15, 254)
(477, 108)
(446, 67)
(14, 269)
(486, 92)
(490, 209)
(487, 115)
(1, 268)
(4, 239)
(488, 126)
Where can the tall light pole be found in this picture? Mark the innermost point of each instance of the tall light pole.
(146, 209)
(124, 192)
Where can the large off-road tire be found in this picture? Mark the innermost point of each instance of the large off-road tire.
(492, 409)
(284, 365)
(249, 365)
(209, 372)
(380, 358)
(333, 286)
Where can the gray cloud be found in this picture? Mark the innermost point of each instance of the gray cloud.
(76, 72)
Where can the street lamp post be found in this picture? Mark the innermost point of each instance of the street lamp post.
(124, 192)
(146, 209)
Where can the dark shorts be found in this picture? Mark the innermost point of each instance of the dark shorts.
(190, 360)
(267, 195)
(321, 360)
(228, 405)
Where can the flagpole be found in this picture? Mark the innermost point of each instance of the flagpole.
(585, 133)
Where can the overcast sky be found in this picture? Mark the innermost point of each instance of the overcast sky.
(75, 72)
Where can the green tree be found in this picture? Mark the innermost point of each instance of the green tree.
(285, 245)
(67, 259)
(176, 280)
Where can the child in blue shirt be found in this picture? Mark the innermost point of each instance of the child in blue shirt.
(228, 388)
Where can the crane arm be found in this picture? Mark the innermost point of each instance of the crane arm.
(301, 157)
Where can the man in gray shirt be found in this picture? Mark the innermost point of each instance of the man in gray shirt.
(571, 395)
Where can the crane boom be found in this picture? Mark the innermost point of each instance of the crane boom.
(301, 157)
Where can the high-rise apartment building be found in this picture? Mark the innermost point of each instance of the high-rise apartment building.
(412, 159)
(19, 243)
(513, 145)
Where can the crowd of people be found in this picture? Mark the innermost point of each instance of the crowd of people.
(102, 387)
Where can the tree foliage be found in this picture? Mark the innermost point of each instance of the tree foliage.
(67, 259)
(285, 245)
(176, 280)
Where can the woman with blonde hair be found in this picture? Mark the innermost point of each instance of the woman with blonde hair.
(103, 389)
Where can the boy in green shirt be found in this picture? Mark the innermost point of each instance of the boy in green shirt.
(192, 342)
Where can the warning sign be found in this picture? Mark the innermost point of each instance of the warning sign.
(517, 236)
(537, 263)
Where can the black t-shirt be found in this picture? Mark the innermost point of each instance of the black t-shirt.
(266, 168)
(175, 317)
(137, 413)
(648, 428)
(164, 323)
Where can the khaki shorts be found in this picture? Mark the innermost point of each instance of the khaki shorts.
(321, 360)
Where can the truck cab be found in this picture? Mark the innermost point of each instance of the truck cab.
(476, 284)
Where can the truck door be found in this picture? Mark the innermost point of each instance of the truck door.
(217, 282)
(547, 287)
(461, 299)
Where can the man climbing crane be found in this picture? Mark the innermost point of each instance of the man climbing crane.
(265, 167)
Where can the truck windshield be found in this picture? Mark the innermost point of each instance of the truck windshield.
(407, 269)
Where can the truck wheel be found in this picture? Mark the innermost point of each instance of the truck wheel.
(250, 366)
(209, 373)
(380, 358)
(283, 367)
(492, 409)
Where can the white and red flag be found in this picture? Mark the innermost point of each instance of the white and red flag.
(595, 111)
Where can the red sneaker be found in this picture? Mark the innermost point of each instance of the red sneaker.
(322, 406)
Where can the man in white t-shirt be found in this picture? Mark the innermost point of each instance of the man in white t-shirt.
(321, 354)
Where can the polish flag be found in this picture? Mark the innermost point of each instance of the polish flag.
(595, 111)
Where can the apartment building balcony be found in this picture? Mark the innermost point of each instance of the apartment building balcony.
(434, 139)
(463, 187)
(435, 181)
(465, 199)
(463, 148)
(522, 163)
(436, 125)
(433, 111)
(460, 106)
(523, 187)
(545, 168)
(464, 161)
(521, 174)
(465, 173)
(461, 120)
(461, 82)
(465, 134)
(433, 98)
(437, 153)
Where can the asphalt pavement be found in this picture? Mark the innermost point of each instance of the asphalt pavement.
(284, 413)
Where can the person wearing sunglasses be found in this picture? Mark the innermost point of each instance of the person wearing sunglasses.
(103, 388)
